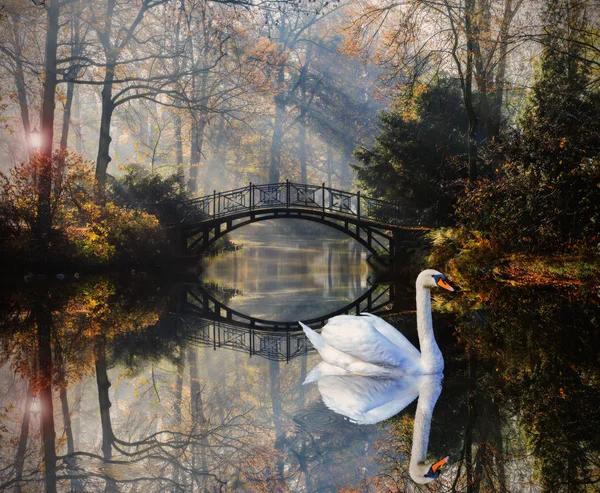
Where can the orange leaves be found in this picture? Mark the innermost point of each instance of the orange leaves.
(71, 177)
(83, 230)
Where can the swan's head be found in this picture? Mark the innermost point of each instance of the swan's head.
(431, 278)
(422, 473)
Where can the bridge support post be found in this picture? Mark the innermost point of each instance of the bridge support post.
(398, 251)
(178, 240)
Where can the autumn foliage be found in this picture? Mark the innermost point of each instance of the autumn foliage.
(83, 230)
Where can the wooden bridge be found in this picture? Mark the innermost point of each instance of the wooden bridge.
(375, 224)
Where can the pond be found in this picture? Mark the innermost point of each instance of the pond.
(132, 383)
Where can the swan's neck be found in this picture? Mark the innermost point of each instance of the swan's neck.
(431, 356)
(429, 391)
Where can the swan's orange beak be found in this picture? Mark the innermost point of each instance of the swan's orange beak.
(443, 284)
(439, 464)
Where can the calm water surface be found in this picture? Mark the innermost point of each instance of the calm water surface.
(134, 393)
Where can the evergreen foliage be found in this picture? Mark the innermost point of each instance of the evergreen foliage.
(416, 156)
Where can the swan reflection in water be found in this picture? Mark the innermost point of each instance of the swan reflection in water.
(369, 400)
(370, 371)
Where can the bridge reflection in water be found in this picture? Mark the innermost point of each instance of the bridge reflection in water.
(204, 320)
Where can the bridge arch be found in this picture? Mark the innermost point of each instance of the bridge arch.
(204, 320)
(376, 240)
(373, 223)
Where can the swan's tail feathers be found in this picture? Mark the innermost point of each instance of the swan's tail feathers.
(314, 337)
(370, 315)
(313, 376)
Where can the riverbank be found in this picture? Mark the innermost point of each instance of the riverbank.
(558, 270)
(470, 257)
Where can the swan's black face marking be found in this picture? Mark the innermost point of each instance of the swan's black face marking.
(436, 469)
(442, 281)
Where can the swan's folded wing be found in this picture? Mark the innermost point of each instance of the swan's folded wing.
(356, 336)
(393, 335)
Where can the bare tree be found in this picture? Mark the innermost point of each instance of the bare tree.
(470, 38)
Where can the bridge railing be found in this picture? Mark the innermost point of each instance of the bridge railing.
(287, 195)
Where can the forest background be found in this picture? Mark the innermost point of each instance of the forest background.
(481, 111)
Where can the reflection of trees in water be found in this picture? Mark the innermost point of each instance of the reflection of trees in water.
(521, 401)
(136, 407)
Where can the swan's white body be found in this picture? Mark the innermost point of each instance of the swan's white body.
(367, 345)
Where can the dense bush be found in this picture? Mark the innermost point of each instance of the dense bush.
(82, 230)
(545, 195)
(526, 211)
(142, 189)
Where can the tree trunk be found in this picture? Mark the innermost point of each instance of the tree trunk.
(143, 125)
(43, 317)
(275, 163)
(468, 92)
(76, 421)
(196, 151)
(275, 391)
(302, 152)
(197, 411)
(177, 401)
(23, 437)
(496, 116)
(212, 177)
(77, 122)
(44, 219)
(178, 123)
(179, 152)
(199, 118)
(64, 139)
(103, 396)
(346, 171)
(108, 108)
(468, 445)
(20, 83)
(301, 387)
(64, 401)
(72, 74)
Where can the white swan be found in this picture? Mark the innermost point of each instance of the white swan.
(368, 345)
(369, 400)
